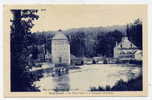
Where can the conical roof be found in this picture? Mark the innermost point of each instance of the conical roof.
(59, 36)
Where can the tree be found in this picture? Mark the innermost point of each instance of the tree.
(22, 23)
(135, 33)
(106, 43)
(77, 44)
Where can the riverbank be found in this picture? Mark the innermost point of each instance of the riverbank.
(132, 85)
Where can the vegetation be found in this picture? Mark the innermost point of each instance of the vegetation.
(135, 33)
(131, 85)
(21, 42)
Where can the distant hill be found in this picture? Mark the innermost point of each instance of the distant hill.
(94, 30)
(121, 28)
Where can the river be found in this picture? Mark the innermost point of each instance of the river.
(88, 76)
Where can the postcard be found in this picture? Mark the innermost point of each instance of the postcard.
(73, 50)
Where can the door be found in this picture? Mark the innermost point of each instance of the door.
(60, 60)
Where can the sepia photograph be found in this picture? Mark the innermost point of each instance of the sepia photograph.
(75, 50)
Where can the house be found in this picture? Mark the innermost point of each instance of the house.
(77, 61)
(60, 49)
(87, 61)
(99, 60)
(125, 50)
(138, 55)
(111, 60)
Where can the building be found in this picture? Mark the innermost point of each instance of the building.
(99, 60)
(125, 50)
(60, 49)
(111, 60)
(138, 55)
(77, 61)
(87, 61)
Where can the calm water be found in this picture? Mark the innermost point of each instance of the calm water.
(88, 76)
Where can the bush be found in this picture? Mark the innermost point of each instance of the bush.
(131, 85)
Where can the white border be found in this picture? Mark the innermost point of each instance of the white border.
(74, 1)
(1, 51)
(149, 2)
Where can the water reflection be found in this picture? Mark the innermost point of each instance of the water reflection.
(87, 76)
(61, 83)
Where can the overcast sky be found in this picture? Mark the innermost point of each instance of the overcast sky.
(56, 17)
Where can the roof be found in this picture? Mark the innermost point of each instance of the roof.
(138, 52)
(59, 36)
(125, 43)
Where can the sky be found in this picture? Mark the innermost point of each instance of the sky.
(55, 17)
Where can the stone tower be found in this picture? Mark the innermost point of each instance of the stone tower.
(60, 49)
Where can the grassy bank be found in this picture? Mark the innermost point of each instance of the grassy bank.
(131, 85)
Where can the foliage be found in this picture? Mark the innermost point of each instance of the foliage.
(106, 43)
(21, 41)
(135, 33)
(131, 85)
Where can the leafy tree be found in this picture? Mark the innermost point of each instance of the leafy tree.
(77, 44)
(135, 33)
(20, 47)
(106, 43)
